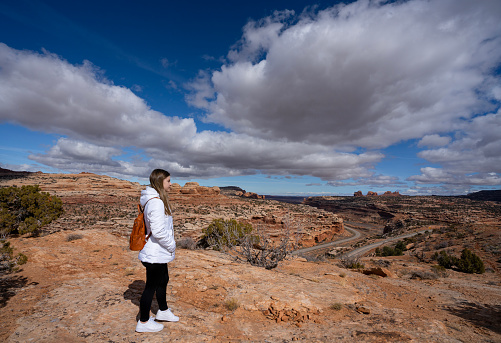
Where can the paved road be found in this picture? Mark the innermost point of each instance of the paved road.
(356, 235)
(362, 250)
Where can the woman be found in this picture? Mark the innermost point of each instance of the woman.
(158, 251)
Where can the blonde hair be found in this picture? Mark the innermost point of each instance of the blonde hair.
(157, 178)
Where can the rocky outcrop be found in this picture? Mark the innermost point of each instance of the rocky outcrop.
(390, 193)
(372, 194)
(251, 195)
(193, 188)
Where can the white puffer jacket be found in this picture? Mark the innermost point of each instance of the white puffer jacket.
(161, 246)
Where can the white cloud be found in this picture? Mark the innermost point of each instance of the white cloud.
(44, 92)
(431, 175)
(366, 74)
(307, 95)
(69, 152)
(433, 141)
(165, 62)
(373, 181)
(473, 158)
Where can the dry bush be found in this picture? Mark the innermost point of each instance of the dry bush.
(73, 237)
(351, 262)
(232, 304)
(249, 244)
(186, 243)
(336, 306)
(260, 250)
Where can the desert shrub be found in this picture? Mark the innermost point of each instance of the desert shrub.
(259, 250)
(443, 244)
(351, 262)
(223, 234)
(336, 306)
(468, 263)
(444, 259)
(231, 304)
(21, 259)
(9, 263)
(397, 250)
(186, 243)
(439, 270)
(245, 243)
(388, 251)
(26, 209)
(73, 237)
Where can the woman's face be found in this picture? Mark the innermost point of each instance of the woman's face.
(167, 183)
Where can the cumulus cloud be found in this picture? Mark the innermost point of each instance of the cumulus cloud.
(433, 141)
(373, 181)
(472, 158)
(367, 74)
(44, 92)
(310, 94)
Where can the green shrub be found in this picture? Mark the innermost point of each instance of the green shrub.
(445, 260)
(22, 259)
(26, 209)
(7, 261)
(468, 263)
(389, 251)
(221, 234)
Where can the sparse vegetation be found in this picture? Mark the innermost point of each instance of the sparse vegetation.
(468, 263)
(397, 250)
(254, 246)
(186, 243)
(26, 209)
(352, 262)
(9, 263)
(73, 237)
(336, 306)
(231, 304)
(223, 234)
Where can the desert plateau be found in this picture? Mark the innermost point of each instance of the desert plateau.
(81, 283)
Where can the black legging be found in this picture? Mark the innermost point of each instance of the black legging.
(157, 277)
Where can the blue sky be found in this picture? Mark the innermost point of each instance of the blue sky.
(277, 97)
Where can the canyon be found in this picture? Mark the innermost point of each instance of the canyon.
(82, 284)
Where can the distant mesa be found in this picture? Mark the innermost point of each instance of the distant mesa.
(486, 195)
(6, 174)
(237, 191)
(372, 194)
(193, 188)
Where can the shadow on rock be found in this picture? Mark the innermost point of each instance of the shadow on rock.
(134, 292)
(488, 316)
(8, 286)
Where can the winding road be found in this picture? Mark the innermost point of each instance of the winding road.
(356, 235)
(359, 251)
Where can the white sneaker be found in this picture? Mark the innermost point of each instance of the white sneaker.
(150, 326)
(167, 316)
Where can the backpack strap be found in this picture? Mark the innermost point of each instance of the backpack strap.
(142, 210)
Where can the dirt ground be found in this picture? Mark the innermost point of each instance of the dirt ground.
(84, 286)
